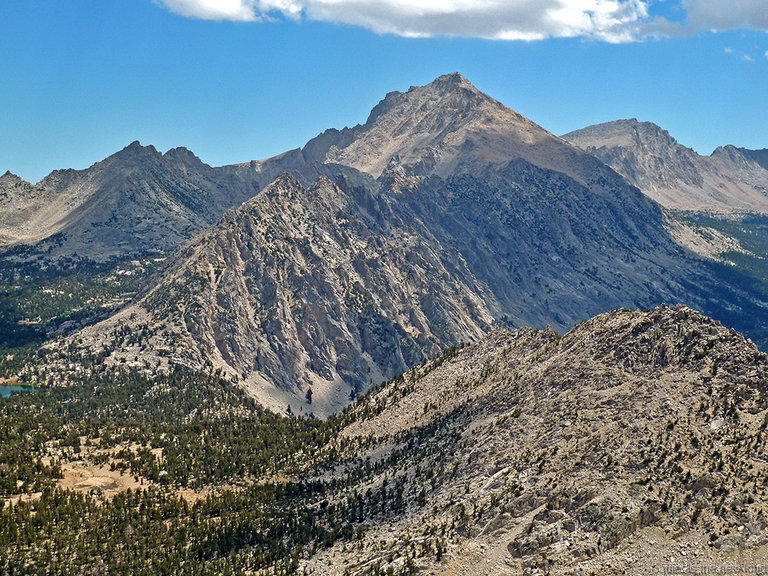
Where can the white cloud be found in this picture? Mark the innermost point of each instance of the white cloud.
(606, 20)
(239, 10)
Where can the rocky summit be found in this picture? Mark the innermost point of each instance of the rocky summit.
(136, 202)
(445, 128)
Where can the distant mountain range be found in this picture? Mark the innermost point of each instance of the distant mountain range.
(731, 179)
(135, 202)
(382, 244)
(139, 201)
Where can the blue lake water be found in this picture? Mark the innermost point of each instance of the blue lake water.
(5, 391)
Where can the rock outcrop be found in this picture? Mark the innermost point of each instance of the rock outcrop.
(317, 291)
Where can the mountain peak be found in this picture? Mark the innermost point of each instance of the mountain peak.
(622, 133)
(134, 155)
(674, 175)
(448, 83)
(137, 145)
(284, 185)
(444, 128)
(184, 156)
(10, 177)
(11, 183)
(444, 92)
(135, 148)
(285, 181)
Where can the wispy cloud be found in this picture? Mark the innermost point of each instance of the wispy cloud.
(726, 14)
(606, 20)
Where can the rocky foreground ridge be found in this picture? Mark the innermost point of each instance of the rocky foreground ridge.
(633, 444)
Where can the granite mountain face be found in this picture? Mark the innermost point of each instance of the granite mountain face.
(388, 263)
(715, 205)
(730, 180)
(139, 202)
(135, 201)
(442, 215)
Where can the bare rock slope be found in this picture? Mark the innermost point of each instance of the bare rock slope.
(445, 128)
(137, 201)
(634, 444)
(335, 288)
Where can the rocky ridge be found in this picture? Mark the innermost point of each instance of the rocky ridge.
(304, 289)
(631, 444)
(139, 201)
(309, 296)
(445, 128)
(135, 202)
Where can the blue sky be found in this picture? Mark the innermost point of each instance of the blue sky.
(236, 80)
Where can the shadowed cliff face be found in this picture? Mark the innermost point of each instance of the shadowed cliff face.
(731, 179)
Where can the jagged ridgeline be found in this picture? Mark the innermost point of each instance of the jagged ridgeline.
(446, 212)
(634, 442)
(135, 203)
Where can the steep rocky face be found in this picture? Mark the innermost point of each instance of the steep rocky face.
(26, 203)
(337, 285)
(632, 443)
(301, 288)
(731, 179)
(759, 156)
